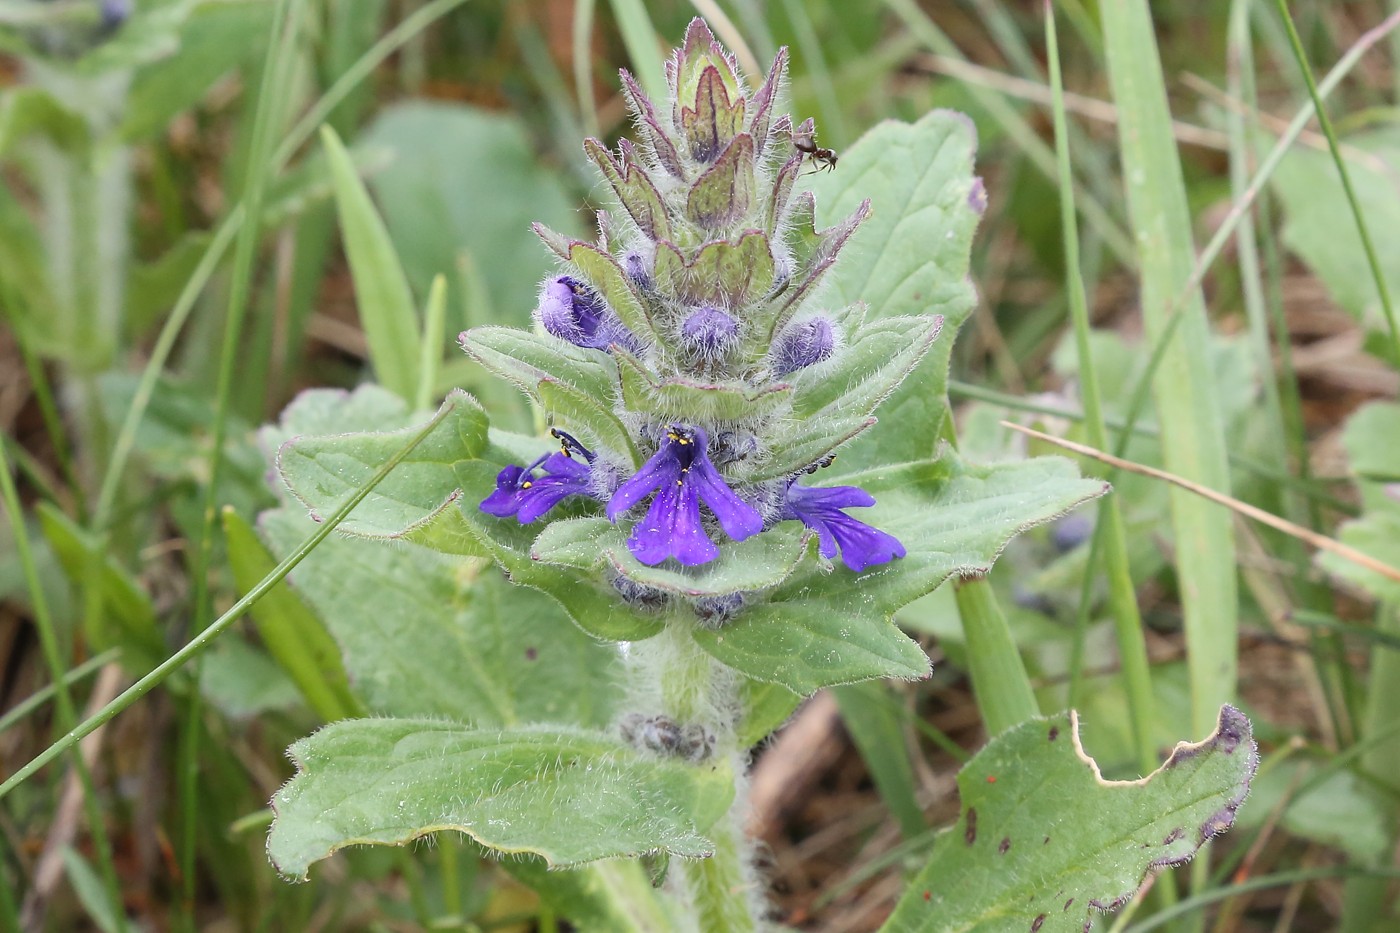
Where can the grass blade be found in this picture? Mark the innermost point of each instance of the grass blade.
(235, 612)
(1110, 535)
(1192, 426)
(875, 722)
(643, 46)
(382, 294)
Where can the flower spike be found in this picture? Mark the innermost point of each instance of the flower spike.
(682, 476)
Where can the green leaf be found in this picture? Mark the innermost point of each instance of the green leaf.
(576, 384)
(820, 436)
(1372, 441)
(242, 682)
(1342, 810)
(527, 358)
(386, 306)
(425, 635)
(1045, 844)
(882, 354)
(467, 180)
(568, 797)
(1377, 534)
(324, 471)
(909, 258)
(592, 605)
(218, 38)
(955, 518)
(127, 619)
(1320, 226)
(679, 397)
(615, 895)
(294, 636)
(826, 628)
(757, 563)
(368, 408)
(766, 707)
(807, 645)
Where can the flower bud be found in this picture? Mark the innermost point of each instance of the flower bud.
(710, 332)
(571, 311)
(803, 344)
(635, 267)
(715, 611)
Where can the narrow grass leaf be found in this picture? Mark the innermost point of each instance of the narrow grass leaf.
(292, 633)
(1194, 442)
(385, 302)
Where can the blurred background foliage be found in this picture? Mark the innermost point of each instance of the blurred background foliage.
(135, 137)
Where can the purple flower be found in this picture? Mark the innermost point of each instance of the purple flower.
(804, 344)
(820, 509)
(682, 477)
(572, 311)
(522, 494)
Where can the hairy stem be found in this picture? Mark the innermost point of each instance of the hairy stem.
(673, 676)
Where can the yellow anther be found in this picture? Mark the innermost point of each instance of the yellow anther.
(526, 485)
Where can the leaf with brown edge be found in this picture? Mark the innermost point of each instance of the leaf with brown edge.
(725, 192)
(1046, 844)
(633, 187)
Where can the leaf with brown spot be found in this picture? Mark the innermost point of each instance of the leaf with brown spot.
(1113, 833)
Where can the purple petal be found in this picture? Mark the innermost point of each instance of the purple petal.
(808, 498)
(859, 544)
(572, 311)
(661, 469)
(561, 464)
(738, 519)
(527, 497)
(672, 528)
(504, 502)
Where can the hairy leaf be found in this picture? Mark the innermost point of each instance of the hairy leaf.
(567, 796)
(1046, 844)
(323, 471)
(824, 628)
(909, 258)
(424, 635)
